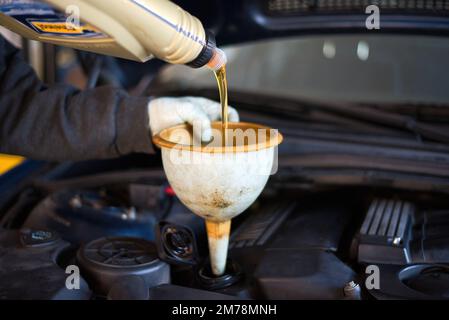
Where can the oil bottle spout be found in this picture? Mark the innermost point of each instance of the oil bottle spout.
(218, 60)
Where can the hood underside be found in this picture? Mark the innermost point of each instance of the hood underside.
(235, 21)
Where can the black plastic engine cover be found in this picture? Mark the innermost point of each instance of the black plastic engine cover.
(288, 250)
(29, 269)
(302, 274)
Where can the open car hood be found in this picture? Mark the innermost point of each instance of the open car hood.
(235, 21)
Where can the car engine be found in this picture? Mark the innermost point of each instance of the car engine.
(131, 238)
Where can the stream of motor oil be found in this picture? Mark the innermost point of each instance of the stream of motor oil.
(220, 75)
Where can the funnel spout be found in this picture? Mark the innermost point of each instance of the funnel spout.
(218, 236)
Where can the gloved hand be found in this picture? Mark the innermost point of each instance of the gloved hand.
(168, 112)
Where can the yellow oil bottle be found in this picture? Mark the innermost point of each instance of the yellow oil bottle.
(131, 29)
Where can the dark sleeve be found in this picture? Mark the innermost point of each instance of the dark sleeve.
(60, 122)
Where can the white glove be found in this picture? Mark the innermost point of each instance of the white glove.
(168, 112)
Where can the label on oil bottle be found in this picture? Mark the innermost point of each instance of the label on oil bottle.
(45, 20)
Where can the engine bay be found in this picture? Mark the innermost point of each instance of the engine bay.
(133, 239)
(356, 210)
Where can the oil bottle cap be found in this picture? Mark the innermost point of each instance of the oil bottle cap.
(206, 54)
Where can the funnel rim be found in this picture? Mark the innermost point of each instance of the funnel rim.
(162, 143)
